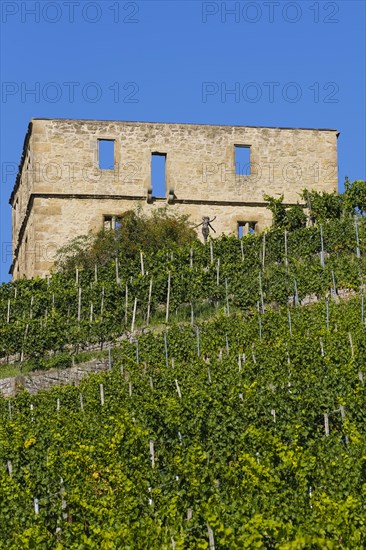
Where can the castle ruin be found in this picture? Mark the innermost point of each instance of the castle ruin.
(67, 186)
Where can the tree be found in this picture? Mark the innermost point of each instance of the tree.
(135, 232)
(355, 196)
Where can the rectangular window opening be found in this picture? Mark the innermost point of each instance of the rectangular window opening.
(246, 228)
(158, 174)
(111, 222)
(106, 154)
(242, 160)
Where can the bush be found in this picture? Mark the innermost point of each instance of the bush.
(135, 232)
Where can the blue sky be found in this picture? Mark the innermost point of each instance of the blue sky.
(296, 64)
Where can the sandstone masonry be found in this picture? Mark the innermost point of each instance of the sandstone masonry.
(63, 191)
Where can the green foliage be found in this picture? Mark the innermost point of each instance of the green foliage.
(290, 218)
(44, 315)
(243, 447)
(134, 233)
(232, 406)
(323, 206)
(355, 196)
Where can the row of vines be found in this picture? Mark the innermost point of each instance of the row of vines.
(237, 432)
(70, 310)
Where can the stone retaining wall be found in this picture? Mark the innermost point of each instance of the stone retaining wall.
(34, 382)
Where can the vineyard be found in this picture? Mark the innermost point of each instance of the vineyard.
(232, 415)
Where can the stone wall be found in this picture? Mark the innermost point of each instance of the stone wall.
(61, 192)
(42, 380)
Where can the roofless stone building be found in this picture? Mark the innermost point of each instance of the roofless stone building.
(77, 176)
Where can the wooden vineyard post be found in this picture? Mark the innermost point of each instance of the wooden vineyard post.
(351, 344)
(63, 501)
(118, 280)
(8, 314)
(191, 258)
(152, 454)
(126, 304)
(198, 341)
(211, 540)
(149, 302)
(227, 299)
(263, 249)
(322, 263)
(134, 315)
(178, 389)
(211, 252)
(260, 327)
(326, 424)
(142, 263)
(167, 300)
(166, 349)
(286, 258)
(296, 293)
(261, 291)
(358, 252)
(79, 304)
(218, 272)
(102, 303)
(242, 250)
